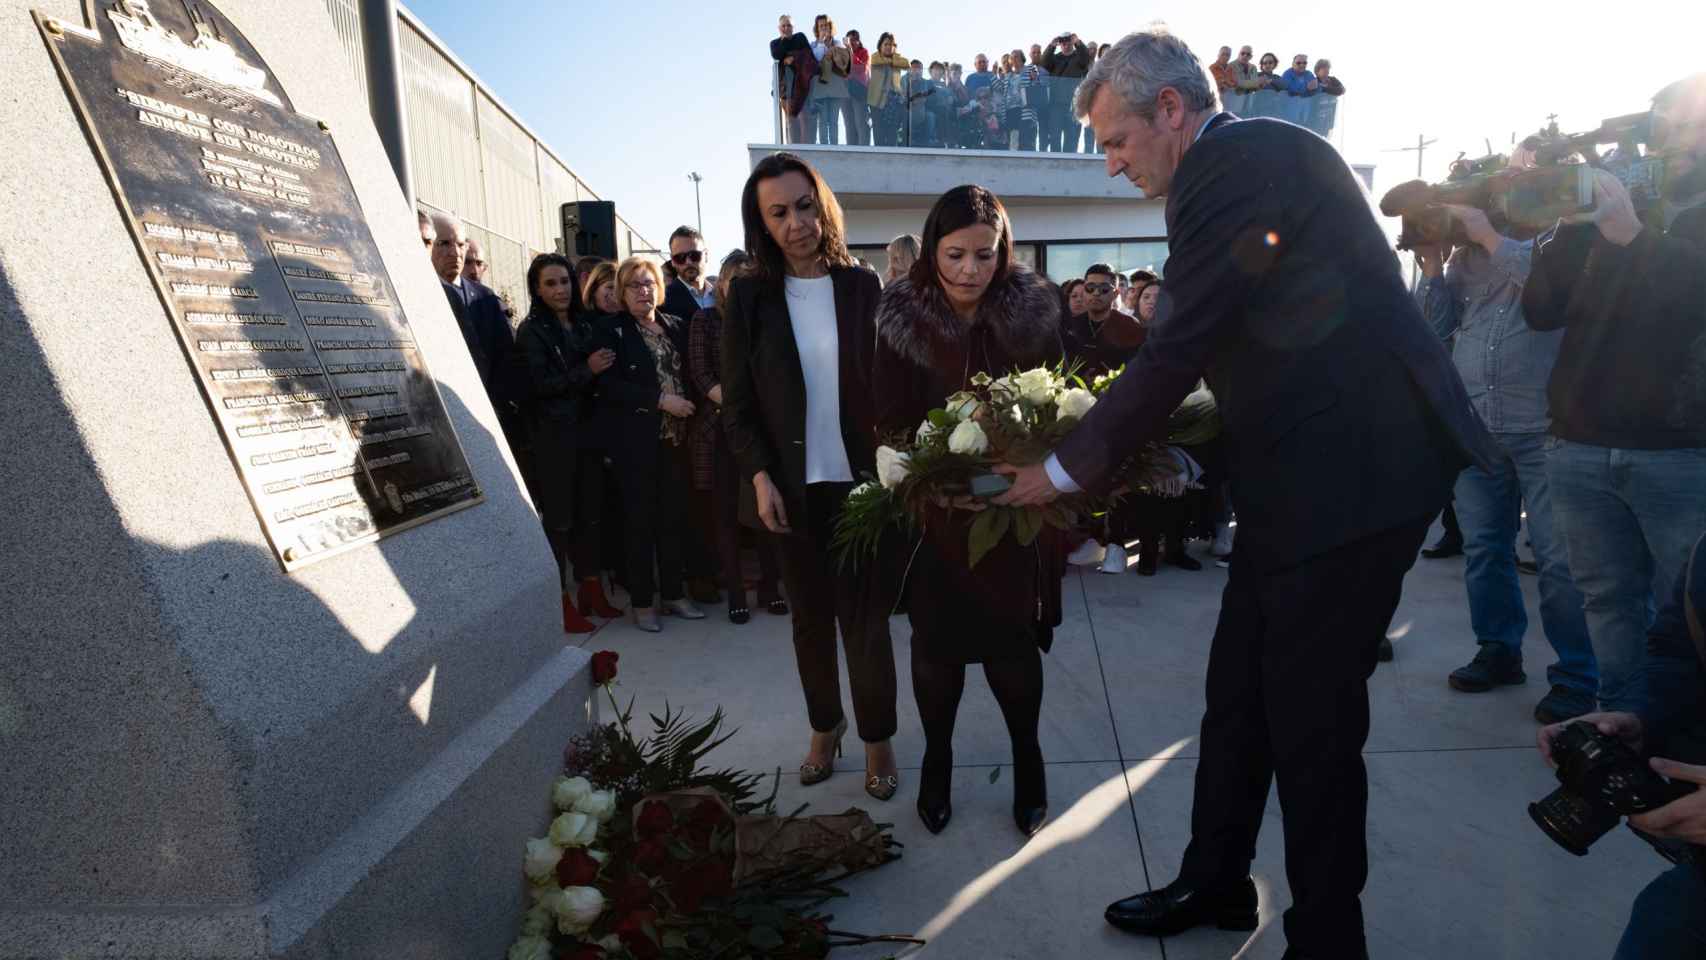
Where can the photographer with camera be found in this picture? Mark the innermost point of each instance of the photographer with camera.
(1067, 60)
(1668, 918)
(1627, 461)
(1473, 298)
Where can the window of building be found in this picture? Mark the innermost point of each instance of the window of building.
(1068, 260)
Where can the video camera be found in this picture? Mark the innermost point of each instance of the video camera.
(1531, 199)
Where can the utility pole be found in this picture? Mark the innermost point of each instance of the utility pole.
(697, 212)
(1421, 147)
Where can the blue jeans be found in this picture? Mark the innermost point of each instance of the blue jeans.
(1628, 519)
(829, 111)
(1489, 509)
(1668, 919)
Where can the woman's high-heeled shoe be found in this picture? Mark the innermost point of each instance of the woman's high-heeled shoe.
(810, 772)
(934, 782)
(1030, 790)
(880, 786)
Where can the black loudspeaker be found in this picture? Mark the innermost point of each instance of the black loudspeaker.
(589, 228)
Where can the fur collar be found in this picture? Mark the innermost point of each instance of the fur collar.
(1023, 313)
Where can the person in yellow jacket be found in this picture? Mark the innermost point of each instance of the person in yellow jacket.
(888, 106)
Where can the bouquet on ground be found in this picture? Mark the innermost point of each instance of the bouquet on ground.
(1016, 419)
(652, 855)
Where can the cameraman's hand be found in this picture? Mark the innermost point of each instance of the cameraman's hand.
(1475, 225)
(1683, 819)
(1431, 258)
(1613, 212)
(1624, 726)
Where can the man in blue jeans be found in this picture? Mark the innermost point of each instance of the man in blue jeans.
(1477, 298)
(1628, 393)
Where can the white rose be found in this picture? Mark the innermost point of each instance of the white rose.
(567, 790)
(598, 856)
(599, 804)
(541, 860)
(574, 830)
(892, 467)
(530, 948)
(1035, 386)
(577, 908)
(537, 921)
(1076, 402)
(926, 430)
(968, 438)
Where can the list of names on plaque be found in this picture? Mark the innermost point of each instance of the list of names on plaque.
(253, 234)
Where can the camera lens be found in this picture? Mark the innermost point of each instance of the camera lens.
(1571, 821)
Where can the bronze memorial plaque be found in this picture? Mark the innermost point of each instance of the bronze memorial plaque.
(248, 223)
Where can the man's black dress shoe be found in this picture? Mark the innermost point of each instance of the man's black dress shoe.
(1177, 907)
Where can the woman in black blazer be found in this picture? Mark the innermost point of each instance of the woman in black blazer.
(643, 405)
(797, 340)
(556, 376)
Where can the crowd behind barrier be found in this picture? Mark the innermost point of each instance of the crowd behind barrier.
(833, 89)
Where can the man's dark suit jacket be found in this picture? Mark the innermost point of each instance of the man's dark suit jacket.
(1343, 414)
(764, 389)
(490, 341)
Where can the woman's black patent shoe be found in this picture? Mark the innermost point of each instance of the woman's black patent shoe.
(739, 615)
(934, 781)
(1030, 791)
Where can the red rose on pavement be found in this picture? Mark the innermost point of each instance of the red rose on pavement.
(654, 820)
(604, 666)
(576, 869)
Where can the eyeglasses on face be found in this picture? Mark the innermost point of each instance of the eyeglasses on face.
(694, 256)
(1098, 288)
(637, 286)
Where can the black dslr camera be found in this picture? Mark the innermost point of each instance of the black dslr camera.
(1603, 781)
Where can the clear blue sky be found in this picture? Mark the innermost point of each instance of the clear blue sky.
(635, 95)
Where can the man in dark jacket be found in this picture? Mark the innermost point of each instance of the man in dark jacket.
(1102, 338)
(485, 329)
(1067, 59)
(1668, 719)
(1627, 463)
(795, 70)
(1344, 426)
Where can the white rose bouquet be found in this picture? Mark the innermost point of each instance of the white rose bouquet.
(1015, 419)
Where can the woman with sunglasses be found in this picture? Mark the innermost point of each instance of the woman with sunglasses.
(687, 292)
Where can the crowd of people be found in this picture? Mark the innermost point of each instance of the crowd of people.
(831, 88)
(670, 423)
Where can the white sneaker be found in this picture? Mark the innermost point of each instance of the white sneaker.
(1088, 554)
(1222, 540)
(1114, 561)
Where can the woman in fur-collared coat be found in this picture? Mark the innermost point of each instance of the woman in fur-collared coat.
(967, 307)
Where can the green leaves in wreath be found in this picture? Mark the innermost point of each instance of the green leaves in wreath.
(1026, 525)
(986, 531)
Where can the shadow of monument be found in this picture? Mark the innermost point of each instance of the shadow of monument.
(191, 725)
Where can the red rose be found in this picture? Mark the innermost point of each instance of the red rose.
(654, 820)
(604, 666)
(633, 931)
(576, 868)
(649, 855)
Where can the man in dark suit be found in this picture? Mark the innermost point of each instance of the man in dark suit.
(485, 329)
(1345, 425)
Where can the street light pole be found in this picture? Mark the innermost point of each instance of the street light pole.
(698, 213)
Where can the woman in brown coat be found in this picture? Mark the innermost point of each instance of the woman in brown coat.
(968, 307)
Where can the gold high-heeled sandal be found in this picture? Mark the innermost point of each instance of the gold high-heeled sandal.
(810, 772)
(880, 787)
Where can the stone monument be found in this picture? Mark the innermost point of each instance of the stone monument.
(282, 673)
